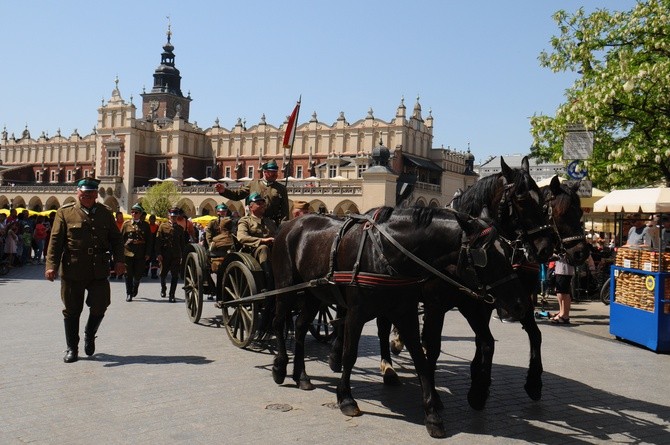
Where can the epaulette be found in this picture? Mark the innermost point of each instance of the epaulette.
(104, 205)
(69, 204)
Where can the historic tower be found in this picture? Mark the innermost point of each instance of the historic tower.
(166, 102)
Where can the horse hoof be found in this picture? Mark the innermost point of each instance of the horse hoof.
(533, 391)
(436, 429)
(350, 409)
(391, 377)
(477, 399)
(305, 385)
(396, 347)
(278, 375)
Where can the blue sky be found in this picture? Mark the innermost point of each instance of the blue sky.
(474, 63)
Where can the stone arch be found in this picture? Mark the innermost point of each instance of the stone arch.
(112, 203)
(208, 206)
(18, 201)
(52, 203)
(35, 204)
(69, 199)
(345, 207)
(420, 202)
(318, 204)
(236, 206)
(187, 206)
(4, 202)
(434, 203)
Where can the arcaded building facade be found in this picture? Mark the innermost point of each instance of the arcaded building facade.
(129, 150)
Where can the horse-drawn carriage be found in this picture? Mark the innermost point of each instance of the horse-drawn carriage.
(239, 280)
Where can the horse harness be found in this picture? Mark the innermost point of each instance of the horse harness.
(392, 279)
(548, 209)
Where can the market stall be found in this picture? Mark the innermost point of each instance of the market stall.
(640, 277)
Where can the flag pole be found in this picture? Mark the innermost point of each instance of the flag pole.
(293, 131)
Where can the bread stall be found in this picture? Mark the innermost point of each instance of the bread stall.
(640, 277)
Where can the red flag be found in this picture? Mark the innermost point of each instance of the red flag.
(289, 135)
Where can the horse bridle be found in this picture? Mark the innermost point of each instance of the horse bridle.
(548, 209)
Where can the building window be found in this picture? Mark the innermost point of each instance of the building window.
(332, 171)
(250, 171)
(38, 176)
(208, 171)
(360, 169)
(162, 169)
(298, 171)
(112, 163)
(85, 174)
(69, 175)
(227, 172)
(54, 176)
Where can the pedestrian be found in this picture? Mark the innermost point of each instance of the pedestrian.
(136, 236)
(564, 273)
(27, 242)
(219, 238)
(170, 245)
(273, 192)
(11, 244)
(153, 263)
(40, 236)
(83, 235)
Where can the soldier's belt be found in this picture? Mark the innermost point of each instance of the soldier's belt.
(94, 251)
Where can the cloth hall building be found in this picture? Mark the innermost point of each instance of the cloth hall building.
(129, 150)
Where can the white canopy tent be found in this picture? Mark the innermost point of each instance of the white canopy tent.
(647, 200)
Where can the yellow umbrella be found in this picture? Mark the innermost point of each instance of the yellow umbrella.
(204, 219)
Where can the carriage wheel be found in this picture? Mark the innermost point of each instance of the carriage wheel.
(605, 292)
(241, 319)
(193, 289)
(321, 328)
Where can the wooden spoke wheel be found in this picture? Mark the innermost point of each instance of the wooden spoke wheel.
(193, 288)
(240, 319)
(321, 328)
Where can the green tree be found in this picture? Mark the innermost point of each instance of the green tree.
(160, 198)
(622, 92)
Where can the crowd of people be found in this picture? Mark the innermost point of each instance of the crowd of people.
(24, 237)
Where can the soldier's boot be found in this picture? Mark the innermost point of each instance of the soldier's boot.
(163, 287)
(90, 330)
(71, 339)
(129, 288)
(173, 289)
(136, 287)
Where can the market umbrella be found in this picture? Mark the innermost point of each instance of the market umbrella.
(209, 179)
(191, 179)
(226, 179)
(338, 178)
(204, 219)
(246, 178)
(155, 180)
(311, 178)
(171, 179)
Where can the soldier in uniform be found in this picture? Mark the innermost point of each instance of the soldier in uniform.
(219, 237)
(257, 232)
(137, 238)
(170, 245)
(82, 236)
(274, 193)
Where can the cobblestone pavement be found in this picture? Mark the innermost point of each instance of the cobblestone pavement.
(157, 378)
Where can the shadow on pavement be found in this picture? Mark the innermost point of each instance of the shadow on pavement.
(118, 360)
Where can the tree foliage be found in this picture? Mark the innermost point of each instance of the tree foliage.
(622, 92)
(160, 198)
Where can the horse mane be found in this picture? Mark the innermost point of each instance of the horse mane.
(563, 201)
(481, 193)
(421, 216)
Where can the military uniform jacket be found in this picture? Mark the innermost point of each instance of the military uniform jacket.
(251, 229)
(82, 240)
(221, 226)
(170, 240)
(275, 196)
(137, 238)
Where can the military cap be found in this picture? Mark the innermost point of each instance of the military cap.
(175, 211)
(88, 184)
(270, 166)
(138, 207)
(221, 207)
(255, 197)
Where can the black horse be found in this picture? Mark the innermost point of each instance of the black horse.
(562, 208)
(520, 212)
(384, 258)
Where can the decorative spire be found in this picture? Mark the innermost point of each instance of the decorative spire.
(169, 30)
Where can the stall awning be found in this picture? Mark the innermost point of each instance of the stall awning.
(648, 200)
(422, 162)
